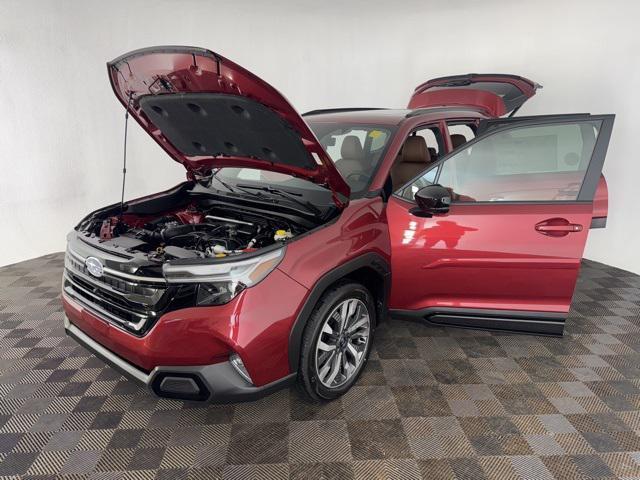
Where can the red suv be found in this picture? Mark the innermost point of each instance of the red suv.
(295, 235)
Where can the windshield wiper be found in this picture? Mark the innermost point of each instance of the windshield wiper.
(236, 188)
(224, 184)
(286, 194)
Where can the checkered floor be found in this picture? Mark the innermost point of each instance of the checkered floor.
(432, 403)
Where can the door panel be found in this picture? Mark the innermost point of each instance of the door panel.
(485, 257)
(512, 241)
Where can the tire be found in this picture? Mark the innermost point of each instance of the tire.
(324, 325)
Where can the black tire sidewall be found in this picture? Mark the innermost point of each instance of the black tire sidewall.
(327, 303)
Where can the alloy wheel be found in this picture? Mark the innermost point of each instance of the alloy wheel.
(342, 343)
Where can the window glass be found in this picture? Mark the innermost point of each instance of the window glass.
(431, 140)
(335, 150)
(460, 134)
(378, 139)
(537, 163)
(235, 175)
(426, 179)
(355, 149)
(403, 171)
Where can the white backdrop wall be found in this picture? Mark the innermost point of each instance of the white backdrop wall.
(61, 127)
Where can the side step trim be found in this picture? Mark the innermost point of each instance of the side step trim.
(539, 323)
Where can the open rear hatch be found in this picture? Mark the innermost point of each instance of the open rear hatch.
(207, 112)
(492, 93)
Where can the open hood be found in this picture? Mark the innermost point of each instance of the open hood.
(494, 94)
(207, 112)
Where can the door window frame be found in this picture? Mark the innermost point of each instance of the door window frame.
(490, 127)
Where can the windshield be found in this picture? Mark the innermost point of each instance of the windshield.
(255, 182)
(357, 150)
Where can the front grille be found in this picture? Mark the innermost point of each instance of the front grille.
(119, 298)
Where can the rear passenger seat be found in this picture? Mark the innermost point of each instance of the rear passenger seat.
(458, 139)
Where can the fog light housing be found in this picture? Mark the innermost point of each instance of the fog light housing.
(179, 385)
(238, 364)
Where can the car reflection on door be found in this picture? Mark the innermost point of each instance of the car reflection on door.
(446, 231)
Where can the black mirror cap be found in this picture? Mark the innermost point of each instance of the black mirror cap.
(433, 199)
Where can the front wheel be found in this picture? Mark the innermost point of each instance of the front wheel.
(337, 341)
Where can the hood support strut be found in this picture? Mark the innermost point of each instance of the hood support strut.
(124, 153)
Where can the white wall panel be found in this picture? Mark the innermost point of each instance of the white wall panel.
(61, 126)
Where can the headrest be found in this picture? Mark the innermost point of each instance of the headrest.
(457, 140)
(415, 150)
(351, 148)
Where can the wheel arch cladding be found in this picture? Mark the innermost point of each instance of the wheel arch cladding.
(370, 269)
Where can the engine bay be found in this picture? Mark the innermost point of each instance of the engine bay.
(193, 232)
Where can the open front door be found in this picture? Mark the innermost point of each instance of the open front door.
(507, 254)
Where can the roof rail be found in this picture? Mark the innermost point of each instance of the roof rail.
(421, 111)
(339, 110)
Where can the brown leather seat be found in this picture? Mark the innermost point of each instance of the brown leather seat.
(413, 159)
(458, 139)
(352, 156)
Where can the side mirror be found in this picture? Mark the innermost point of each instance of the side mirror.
(432, 200)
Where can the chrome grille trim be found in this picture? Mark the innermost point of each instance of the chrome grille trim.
(72, 291)
(86, 292)
(117, 273)
(130, 305)
(130, 290)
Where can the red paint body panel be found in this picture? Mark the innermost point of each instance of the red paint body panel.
(361, 228)
(206, 335)
(174, 70)
(473, 90)
(490, 103)
(601, 199)
(485, 256)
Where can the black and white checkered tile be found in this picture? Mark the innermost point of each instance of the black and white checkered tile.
(432, 403)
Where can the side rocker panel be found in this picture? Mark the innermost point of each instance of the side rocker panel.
(538, 323)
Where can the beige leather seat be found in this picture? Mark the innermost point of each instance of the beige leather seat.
(352, 156)
(458, 139)
(413, 159)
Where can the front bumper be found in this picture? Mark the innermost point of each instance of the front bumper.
(217, 383)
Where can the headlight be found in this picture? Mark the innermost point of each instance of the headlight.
(220, 282)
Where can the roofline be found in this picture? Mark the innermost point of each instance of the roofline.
(451, 108)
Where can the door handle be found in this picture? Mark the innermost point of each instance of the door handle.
(572, 227)
(557, 227)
